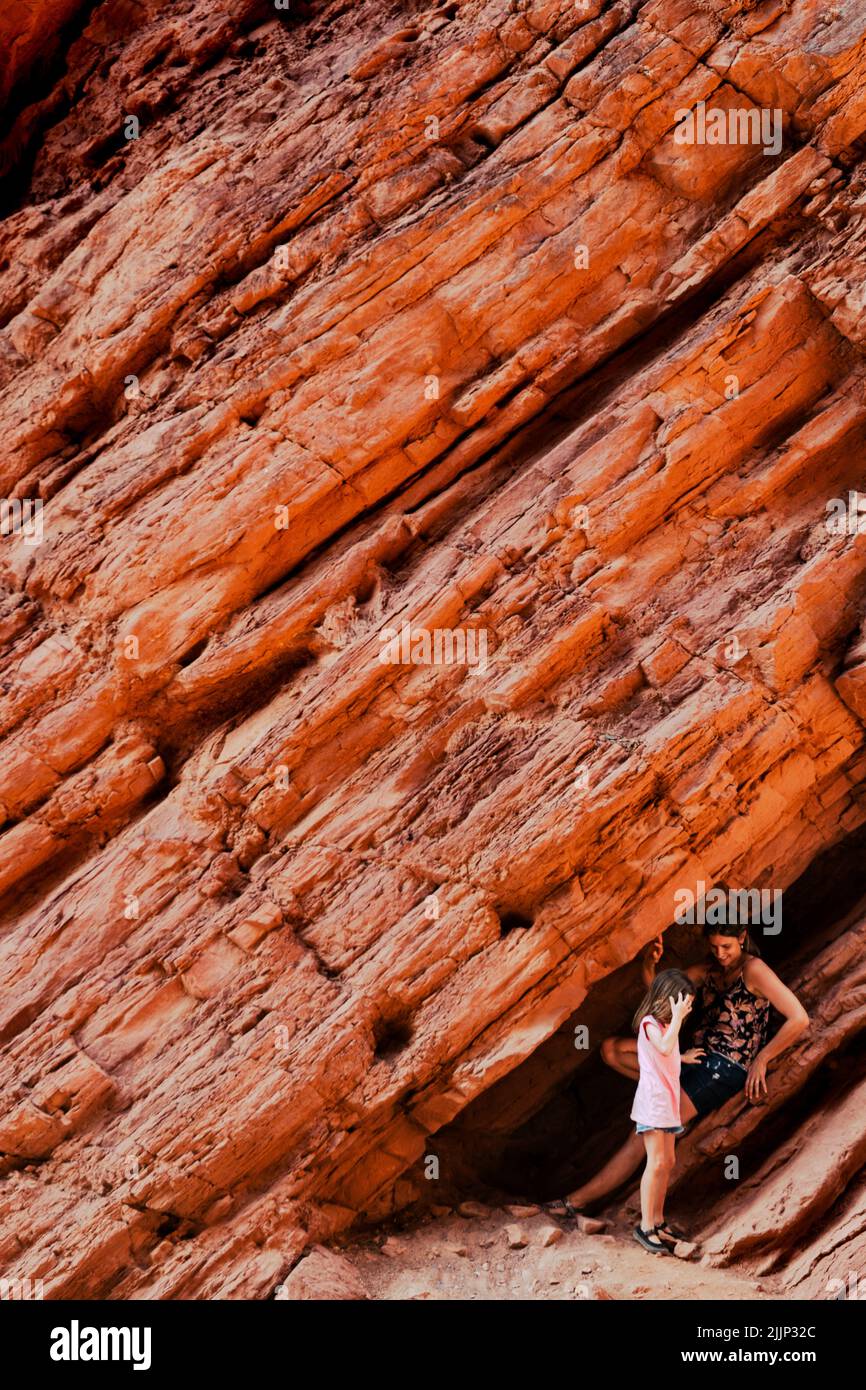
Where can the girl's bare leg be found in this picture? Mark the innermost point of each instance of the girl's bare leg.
(653, 1184)
(670, 1152)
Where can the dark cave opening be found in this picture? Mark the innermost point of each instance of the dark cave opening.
(552, 1122)
(512, 921)
(391, 1036)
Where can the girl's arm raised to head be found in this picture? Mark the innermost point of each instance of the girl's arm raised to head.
(666, 1042)
(655, 1035)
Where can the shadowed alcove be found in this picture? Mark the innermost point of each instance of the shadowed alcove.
(554, 1120)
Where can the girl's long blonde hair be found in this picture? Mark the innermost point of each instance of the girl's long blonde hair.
(657, 1000)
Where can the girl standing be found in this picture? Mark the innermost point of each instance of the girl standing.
(656, 1108)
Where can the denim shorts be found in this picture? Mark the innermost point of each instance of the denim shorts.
(712, 1081)
(662, 1129)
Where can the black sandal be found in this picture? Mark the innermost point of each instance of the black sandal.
(673, 1231)
(643, 1238)
(566, 1213)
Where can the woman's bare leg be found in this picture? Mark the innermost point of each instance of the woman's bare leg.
(626, 1160)
(621, 1055)
(618, 1169)
(687, 1110)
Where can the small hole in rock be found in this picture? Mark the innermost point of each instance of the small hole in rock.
(194, 652)
(254, 413)
(512, 921)
(391, 1036)
(168, 1225)
(365, 591)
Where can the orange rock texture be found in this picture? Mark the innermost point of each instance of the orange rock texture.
(324, 331)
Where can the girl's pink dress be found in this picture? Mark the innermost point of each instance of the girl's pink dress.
(657, 1099)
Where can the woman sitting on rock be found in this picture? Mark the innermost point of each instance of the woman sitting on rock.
(735, 990)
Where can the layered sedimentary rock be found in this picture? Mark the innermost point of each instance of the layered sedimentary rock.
(323, 327)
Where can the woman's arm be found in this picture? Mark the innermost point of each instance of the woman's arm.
(649, 959)
(765, 983)
(697, 974)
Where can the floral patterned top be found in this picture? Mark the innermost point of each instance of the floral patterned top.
(733, 1021)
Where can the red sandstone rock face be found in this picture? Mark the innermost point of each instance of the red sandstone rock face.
(406, 315)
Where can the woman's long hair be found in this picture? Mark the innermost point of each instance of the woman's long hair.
(729, 928)
(732, 929)
(658, 998)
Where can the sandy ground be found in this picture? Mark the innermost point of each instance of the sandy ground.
(469, 1257)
